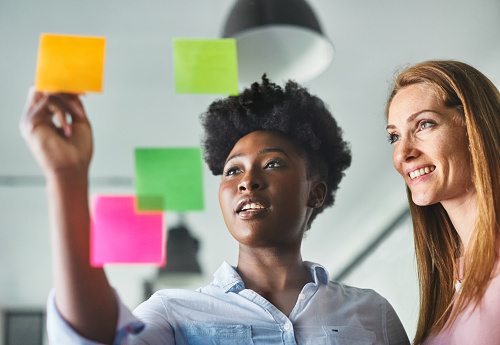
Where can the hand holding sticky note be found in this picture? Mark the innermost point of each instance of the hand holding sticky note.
(72, 64)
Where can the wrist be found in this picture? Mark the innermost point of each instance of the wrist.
(67, 178)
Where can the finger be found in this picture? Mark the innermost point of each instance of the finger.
(41, 112)
(72, 105)
(29, 99)
(61, 119)
(32, 100)
(77, 106)
(42, 106)
(71, 102)
(35, 108)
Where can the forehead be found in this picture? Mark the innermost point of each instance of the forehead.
(413, 99)
(255, 142)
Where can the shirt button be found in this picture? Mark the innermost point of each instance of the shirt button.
(302, 296)
(287, 326)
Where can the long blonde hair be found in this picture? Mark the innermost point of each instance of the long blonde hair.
(437, 244)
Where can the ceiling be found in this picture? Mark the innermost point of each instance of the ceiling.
(139, 107)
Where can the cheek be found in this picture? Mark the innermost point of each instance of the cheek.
(226, 197)
(295, 196)
(396, 163)
(223, 197)
(457, 153)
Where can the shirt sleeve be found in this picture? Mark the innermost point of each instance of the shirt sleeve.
(396, 334)
(61, 333)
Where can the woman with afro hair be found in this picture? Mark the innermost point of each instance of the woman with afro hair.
(281, 156)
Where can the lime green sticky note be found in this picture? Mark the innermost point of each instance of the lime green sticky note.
(169, 179)
(206, 66)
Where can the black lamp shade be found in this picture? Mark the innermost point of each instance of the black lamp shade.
(182, 250)
(247, 14)
(282, 38)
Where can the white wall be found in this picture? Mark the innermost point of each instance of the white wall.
(391, 271)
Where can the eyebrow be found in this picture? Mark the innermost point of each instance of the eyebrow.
(412, 117)
(268, 150)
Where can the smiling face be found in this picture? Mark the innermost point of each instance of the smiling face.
(265, 195)
(430, 146)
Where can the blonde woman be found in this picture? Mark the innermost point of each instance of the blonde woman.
(444, 122)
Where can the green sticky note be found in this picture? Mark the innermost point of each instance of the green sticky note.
(206, 66)
(169, 179)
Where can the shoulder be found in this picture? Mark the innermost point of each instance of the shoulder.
(340, 293)
(491, 299)
(363, 301)
(368, 308)
(362, 295)
(165, 299)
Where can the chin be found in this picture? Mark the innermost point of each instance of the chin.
(422, 201)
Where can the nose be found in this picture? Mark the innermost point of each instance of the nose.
(404, 151)
(250, 181)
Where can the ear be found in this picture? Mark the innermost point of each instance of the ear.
(317, 194)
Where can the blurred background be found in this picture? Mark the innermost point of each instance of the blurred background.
(364, 240)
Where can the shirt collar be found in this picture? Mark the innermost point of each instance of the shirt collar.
(229, 280)
(319, 273)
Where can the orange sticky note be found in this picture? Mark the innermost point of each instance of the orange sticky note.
(70, 63)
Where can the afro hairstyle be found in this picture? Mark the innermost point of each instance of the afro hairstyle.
(291, 111)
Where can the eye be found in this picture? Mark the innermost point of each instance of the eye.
(392, 138)
(274, 163)
(232, 170)
(424, 124)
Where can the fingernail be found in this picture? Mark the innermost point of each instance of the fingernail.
(67, 131)
(78, 111)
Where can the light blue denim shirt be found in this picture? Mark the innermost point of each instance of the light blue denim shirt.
(224, 312)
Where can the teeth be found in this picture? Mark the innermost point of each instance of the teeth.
(421, 172)
(252, 206)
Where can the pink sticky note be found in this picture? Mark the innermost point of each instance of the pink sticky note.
(121, 234)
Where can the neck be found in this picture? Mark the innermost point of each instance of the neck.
(267, 269)
(463, 214)
(276, 274)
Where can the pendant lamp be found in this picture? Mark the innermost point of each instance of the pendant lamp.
(282, 38)
(183, 269)
(182, 251)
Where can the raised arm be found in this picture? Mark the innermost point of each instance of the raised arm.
(83, 295)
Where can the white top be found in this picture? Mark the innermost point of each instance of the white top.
(224, 312)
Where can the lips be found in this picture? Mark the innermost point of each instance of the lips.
(421, 171)
(251, 207)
